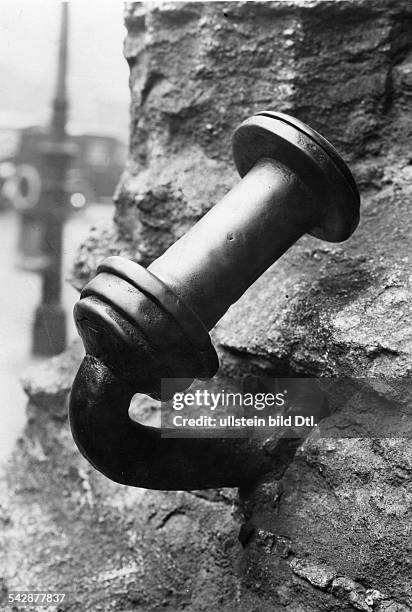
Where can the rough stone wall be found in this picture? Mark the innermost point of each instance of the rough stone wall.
(334, 532)
(198, 69)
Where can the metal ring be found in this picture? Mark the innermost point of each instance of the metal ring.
(145, 281)
(29, 173)
(321, 141)
(314, 161)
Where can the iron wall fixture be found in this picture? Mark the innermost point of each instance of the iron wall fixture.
(141, 325)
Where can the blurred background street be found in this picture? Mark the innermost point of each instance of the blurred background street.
(19, 297)
(35, 84)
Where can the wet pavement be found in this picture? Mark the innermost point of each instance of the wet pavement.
(19, 297)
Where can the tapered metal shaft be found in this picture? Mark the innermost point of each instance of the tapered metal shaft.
(212, 265)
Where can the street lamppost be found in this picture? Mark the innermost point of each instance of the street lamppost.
(49, 331)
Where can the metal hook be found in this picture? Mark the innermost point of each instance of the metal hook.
(141, 325)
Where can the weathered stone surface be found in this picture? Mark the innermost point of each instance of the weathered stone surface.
(334, 534)
(103, 240)
(67, 528)
(48, 384)
(345, 512)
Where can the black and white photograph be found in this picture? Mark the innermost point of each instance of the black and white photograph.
(205, 305)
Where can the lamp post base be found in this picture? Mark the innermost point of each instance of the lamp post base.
(49, 330)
